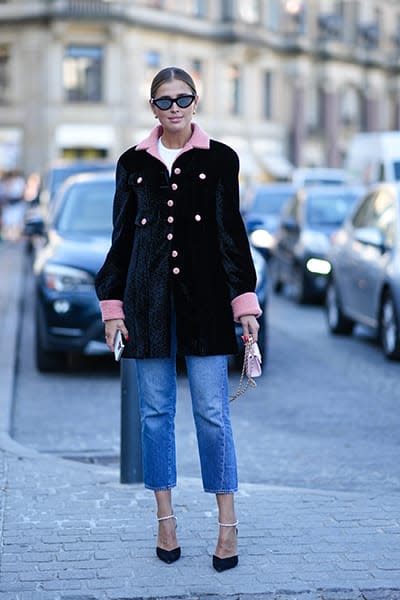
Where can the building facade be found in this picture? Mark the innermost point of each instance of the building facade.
(283, 81)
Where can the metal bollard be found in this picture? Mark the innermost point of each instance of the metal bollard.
(131, 467)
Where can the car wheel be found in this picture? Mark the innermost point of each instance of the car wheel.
(389, 328)
(276, 282)
(338, 323)
(47, 361)
(299, 289)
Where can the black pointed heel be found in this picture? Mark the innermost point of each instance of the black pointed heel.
(223, 564)
(168, 556)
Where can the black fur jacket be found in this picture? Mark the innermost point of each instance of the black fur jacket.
(178, 243)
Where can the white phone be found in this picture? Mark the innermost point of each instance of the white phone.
(118, 345)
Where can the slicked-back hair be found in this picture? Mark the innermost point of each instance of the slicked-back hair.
(169, 74)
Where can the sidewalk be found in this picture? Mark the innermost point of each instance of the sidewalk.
(71, 531)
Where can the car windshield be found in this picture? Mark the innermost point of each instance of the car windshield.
(270, 202)
(329, 209)
(87, 208)
(58, 175)
(322, 181)
(396, 167)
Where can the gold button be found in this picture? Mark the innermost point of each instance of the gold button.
(170, 236)
(143, 221)
(197, 217)
(174, 186)
(170, 219)
(174, 253)
(176, 271)
(139, 179)
(177, 171)
(202, 175)
(170, 202)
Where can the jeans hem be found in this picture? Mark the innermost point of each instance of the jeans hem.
(160, 489)
(221, 491)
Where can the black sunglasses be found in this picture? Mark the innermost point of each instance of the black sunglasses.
(166, 103)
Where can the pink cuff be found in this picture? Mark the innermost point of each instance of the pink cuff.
(112, 309)
(246, 304)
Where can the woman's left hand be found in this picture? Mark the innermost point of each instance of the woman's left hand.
(250, 326)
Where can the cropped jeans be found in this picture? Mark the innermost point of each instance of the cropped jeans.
(208, 381)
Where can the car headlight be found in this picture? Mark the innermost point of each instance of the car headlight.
(61, 279)
(261, 238)
(319, 266)
(315, 241)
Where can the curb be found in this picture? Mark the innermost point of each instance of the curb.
(12, 271)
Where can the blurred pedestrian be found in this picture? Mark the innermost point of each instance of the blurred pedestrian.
(32, 189)
(13, 205)
(178, 274)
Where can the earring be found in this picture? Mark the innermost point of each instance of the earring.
(194, 112)
(155, 116)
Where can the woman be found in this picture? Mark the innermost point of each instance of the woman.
(179, 272)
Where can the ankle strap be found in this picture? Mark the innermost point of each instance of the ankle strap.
(228, 524)
(168, 517)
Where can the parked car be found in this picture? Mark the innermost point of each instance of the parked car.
(299, 257)
(263, 215)
(374, 156)
(58, 171)
(67, 315)
(364, 284)
(306, 176)
(53, 178)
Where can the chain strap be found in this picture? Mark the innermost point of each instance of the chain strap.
(244, 385)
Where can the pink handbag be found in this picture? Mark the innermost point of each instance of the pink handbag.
(251, 366)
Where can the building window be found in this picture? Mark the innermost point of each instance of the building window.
(227, 10)
(311, 108)
(152, 64)
(83, 73)
(273, 15)
(200, 8)
(249, 11)
(267, 95)
(234, 90)
(198, 78)
(4, 75)
(154, 3)
(321, 109)
(295, 16)
(152, 59)
(350, 107)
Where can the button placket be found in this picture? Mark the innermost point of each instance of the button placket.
(170, 220)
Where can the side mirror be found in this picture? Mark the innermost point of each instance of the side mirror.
(370, 236)
(290, 225)
(34, 227)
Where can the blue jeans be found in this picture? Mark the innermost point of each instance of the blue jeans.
(208, 380)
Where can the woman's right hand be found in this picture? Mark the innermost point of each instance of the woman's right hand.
(111, 328)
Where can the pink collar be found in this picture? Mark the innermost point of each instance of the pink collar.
(199, 139)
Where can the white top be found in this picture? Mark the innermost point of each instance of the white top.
(168, 154)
